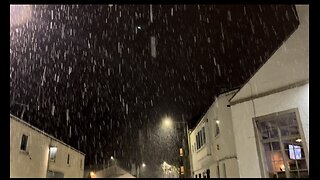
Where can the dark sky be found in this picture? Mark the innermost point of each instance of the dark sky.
(89, 78)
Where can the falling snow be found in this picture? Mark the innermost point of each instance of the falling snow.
(93, 75)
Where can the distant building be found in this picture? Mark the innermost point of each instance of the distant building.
(211, 142)
(36, 154)
(270, 113)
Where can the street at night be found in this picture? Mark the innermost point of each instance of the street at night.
(159, 91)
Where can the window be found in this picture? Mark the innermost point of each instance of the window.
(282, 150)
(53, 153)
(208, 173)
(80, 163)
(217, 129)
(218, 171)
(200, 138)
(24, 142)
(181, 152)
(197, 141)
(204, 135)
(200, 141)
(200, 175)
(182, 169)
(196, 176)
(68, 159)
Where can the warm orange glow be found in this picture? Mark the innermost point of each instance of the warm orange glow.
(92, 174)
(181, 152)
(182, 169)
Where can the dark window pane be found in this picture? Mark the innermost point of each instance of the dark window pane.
(285, 131)
(284, 122)
(273, 133)
(267, 146)
(24, 141)
(204, 135)
(302, 164)
(265, 134)
(294, 174)
(276, 145)
(68, 159)
(304, 174)
(294, 130)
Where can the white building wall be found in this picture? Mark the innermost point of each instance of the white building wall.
(74, 168)
(288, 65)
(225, 140)
(201, 158)
(24, 165)
(35, 162)
(243, 113)
(208, 156)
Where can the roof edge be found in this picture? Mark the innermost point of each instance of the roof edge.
(44, 133)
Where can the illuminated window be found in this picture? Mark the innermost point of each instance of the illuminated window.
(281, 145)
(182, 169)
(217, 129)
(181, 152)
(53, 153)
(24, 142)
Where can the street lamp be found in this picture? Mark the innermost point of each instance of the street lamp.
(115, 163)
(168, 123)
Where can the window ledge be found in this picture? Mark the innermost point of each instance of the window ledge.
(202, 147)
(24, 152)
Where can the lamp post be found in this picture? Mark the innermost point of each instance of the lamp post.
(184, 151)
(141, 169)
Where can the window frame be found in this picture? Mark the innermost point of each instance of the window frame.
(276, 117)
(26, 143)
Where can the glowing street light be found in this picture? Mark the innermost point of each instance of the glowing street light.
(143, 165)
(167, 122)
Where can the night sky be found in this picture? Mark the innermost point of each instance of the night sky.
(92, 79)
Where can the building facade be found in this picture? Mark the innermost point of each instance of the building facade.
(34, 153)
(270, 113)
(212, 146)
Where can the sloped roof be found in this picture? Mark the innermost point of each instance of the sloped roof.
(287, 67)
